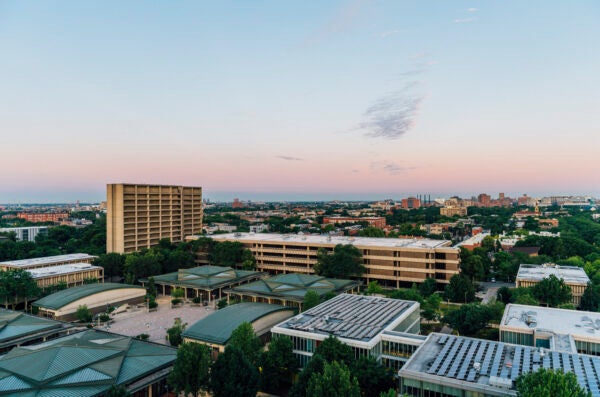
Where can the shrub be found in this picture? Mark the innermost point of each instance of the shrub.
(197, 300)
(104, 317)
(175, 301)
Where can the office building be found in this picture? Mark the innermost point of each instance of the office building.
(410, 203)
(138, 216)
(385, 329)
(558, 329)
(448, 365)
(393, 262)
(453, 211)
(43, 216)
(26, 233)
(573, 276)
(47, 261)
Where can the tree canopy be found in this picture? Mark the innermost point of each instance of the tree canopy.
(552, 290)
(460, 289)
(278, 365)
(547, 382)
(335, 381)
(244, 338)
(343, 262)
(190, 373)
(234, 375)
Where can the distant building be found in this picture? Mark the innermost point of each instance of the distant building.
(263, 227)
(43, 216)
(485, 200)
(26, 233)
(451, 211)
(376, 221)
(47, 261)
(382, 328)
(448, 365)
(410, 203)
(215, 330)
(237, 203)
(139, 216)
(574, 277)
(529, 251)
(390, 261)
(473, 242)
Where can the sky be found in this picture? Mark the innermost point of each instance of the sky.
(305, 100)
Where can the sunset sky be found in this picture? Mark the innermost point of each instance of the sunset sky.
(299, 99)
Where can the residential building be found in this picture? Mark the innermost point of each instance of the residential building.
(573, 276)
(47, 261)
(215, 330)
(206, 282)
(453, 211)
(139, 216)
(376, 221)
(43, 216)
(63, 305)
(485, 200)
(410, 203)
(87, 364)
(385, 329)
(390, 261)
(290, 289)
(263, 227)
(26, 233)
(473, 242)
(448, 365)
(572, 331)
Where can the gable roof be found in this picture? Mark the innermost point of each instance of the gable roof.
(83, 364)
(205, 277)
(15, 325)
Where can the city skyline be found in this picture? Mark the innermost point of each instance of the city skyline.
(283, 101)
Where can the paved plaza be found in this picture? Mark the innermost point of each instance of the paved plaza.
(140, 321)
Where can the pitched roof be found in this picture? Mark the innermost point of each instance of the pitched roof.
(61, 298)
(294, 286)
(217, 327)
(15, 325)
(83, 364)
(205, 277)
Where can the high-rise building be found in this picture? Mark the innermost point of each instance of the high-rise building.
(484, 199)
(138, 216)
(411, 203)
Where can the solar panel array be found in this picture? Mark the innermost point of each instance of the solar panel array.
(350, 316)
(456, 357)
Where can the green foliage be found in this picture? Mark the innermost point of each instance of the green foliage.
(590, 300)
(103, 317)
(547, 382)
(430, 307)
(334, 381)
(389, 393)
(311, 299)
(190, 373)
(151, 288)
(331, 349)
(371, 231)
(142, 264)
(278, 366)
(428, 287)
(152, 303)
(373, 288)
(472, 317)
(226, 253)
(174, 333)
(552, 290)
(244, 338)
(410, 294)
(117, 391)
(112, 263)
(142, 336)
(177, 293)
(234, 375)
(17, 285)
(460, 289)
(343, 262)
(372, 377)
(222, 303)
(84, 314)
(315, 365)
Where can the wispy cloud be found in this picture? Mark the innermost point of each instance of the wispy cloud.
(393, 115)
(472, 9)
(465, 20)
(289, 158)
(383, 35)
(390, 167)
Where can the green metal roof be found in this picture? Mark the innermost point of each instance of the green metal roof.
(205, 277)
(217, 327)
(62, 298)
(83, 364)
(15, 325)
(294, 286)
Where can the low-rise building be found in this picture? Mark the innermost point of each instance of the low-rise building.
(87, 364)
(290, 289)
(71, 274)
(385, 329)
(215, 330)
(47, 261)
(557, 329)
(473, 242)
(63, 305)
(573, 276)
(376, 221)
(43, 216)
(263, 227)
(453, 211)
(448, 365)
(26, 233)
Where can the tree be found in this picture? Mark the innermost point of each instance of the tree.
(142, 264)
(17, 285)
(590, 300)
(190, 373)
(151, 288)
(233, 375)
(460, 289)
(470, 318)
(547, 382)
(117, 391)
(428, 287)
(174, 333)
(373, 288)
(334, 381)
(112, 263)
(552, 290)
(343, 262)
(84, 314)
(371, 231)
(244, 338)
(311, 299)
(430, 307)
(315, 365)
(331, 349)
(278, 365)
(389, 393)
(248, 260)
(473, 267)
(373, 378)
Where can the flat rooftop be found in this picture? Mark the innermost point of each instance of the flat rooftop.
(47, 260)
(476, 239)
(354, 317)
(490, 367)
(41, 272)
(558, 321)
(571, 274)
(333, 240)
